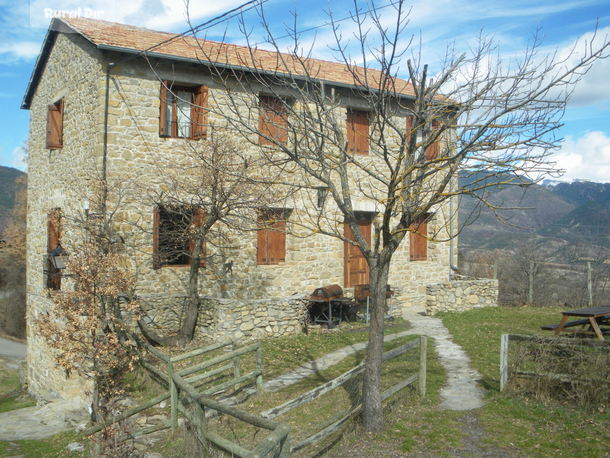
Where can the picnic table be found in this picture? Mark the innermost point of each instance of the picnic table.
(593, 321)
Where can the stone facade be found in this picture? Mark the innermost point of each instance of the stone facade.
(460, 295)
(123, 144)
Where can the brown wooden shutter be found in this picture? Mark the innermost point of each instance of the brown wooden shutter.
(53, 239)
(261, 241)
(408, 129)
(272, 121)
(199, 217)
(418, 242)
(433, 151)
(156, 222)
(55, 115)
(271, 237)
(357, 132)
(277, 242)
(199, 113)
(163, 131)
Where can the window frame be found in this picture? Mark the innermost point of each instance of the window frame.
(198, 115)
(272, 120)
(418, 239)
(198, 216)
(268, 234)
(53, 275)
(55, 125)
(355, 143)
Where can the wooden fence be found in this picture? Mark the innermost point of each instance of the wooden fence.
(551, 341)
(187, 398)
(337, 382)
(192, 402)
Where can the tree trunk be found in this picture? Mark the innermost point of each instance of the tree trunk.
(187, 328)
(372, 415)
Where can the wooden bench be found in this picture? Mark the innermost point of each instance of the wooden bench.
(569, 324)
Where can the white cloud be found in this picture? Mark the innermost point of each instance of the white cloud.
(174, 12)
(18, 158)
(20, 50)
(586, 157)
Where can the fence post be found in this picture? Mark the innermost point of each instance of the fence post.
(503, 361)
(236, 361)
(173, 393)
(423, 354)
(199, 423)
(259, 367)
(530, 290)
(589, 284)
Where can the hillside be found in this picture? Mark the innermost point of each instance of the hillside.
(8, 189)
(578, 213)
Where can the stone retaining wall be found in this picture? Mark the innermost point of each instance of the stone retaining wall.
(241, 319)
(459, 295)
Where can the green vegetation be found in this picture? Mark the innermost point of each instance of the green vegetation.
(533, 427)
(11, 395)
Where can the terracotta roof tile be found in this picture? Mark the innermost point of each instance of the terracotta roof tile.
(139, 39)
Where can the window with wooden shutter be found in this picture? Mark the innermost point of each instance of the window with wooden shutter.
(272, 121)
(433, 151)
(53, 240)
(55, 121)
(173, 238)
(271, 237)
(418, 241)
(357, 132)
(183, 111)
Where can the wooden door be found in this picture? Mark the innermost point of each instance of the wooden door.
(356, 269)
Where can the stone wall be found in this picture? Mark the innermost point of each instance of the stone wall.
(224, 319)
(59, 179)
(460, 295)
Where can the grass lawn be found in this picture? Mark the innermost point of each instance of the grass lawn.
(531, 427)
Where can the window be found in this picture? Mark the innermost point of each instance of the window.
(272, 121)
(53, 240)
(271, 237)
(55, 125)
(172, 242)
(432, 151)
(183, 111)
(357, 132)
(418, 240)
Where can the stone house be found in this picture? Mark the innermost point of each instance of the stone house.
(97, 106)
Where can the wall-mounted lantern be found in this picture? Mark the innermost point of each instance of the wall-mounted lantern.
(59, 257)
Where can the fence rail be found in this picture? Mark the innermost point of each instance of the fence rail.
(553, 341)
(344, 378)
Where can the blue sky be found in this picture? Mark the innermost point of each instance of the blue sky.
(585, 152)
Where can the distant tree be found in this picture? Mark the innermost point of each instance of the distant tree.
(12, 265)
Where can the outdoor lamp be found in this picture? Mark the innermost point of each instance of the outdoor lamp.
(59, 256)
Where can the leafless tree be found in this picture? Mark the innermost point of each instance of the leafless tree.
(203, 186)
(495, 118)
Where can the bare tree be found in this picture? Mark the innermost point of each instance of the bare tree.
(205, 186)
(495, 118)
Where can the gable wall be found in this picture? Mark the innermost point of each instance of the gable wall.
(59, 179)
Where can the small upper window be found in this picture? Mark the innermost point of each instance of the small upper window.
(357, 132)
(55, 125)
(272, 121)
(183, 111)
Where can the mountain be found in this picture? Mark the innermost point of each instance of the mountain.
(8, 188)
(576, 213)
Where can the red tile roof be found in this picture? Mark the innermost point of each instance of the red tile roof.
(103, 33)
